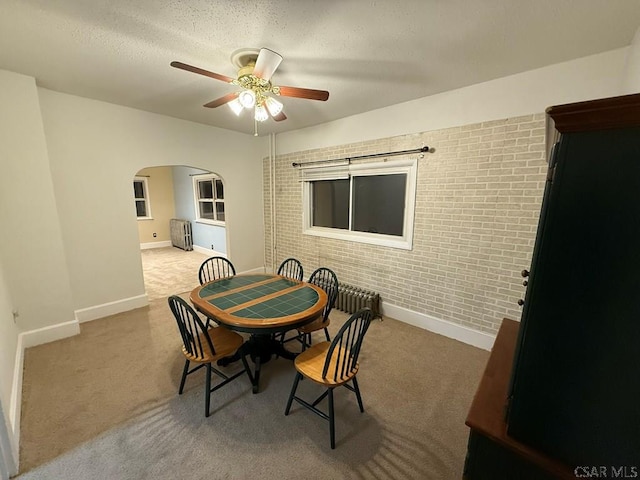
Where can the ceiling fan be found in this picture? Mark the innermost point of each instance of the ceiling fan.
(256, 67)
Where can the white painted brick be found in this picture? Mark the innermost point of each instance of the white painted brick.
(477, 207)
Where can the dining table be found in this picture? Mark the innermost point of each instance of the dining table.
(261, 305)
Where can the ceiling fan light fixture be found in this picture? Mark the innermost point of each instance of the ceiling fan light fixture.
(236, 107)
(247, 98)
(273, 105)
(261, 113)
(254, 87)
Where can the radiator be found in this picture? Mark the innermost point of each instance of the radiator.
(351, 299)
(181, 234)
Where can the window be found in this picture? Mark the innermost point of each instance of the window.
(141, 196)
(209, 196)
(374, 204)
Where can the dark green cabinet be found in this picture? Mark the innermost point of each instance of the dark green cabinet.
(575, 384)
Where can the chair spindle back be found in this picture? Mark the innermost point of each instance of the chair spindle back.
(192, 330)
(291, 268)
(328, 281)
(214, 268)
(347, 342)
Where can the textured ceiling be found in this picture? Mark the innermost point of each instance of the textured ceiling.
(367, 54)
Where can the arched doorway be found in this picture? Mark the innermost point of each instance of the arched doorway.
(177, 192)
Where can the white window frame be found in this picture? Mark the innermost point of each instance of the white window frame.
(196, 199)
(405, 242)
(147, 201)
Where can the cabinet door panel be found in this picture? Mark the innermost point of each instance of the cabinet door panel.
(576, 385)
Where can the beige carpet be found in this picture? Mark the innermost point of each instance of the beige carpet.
(121, 374)
(170, 270)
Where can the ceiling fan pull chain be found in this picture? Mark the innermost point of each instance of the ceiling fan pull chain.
(255, 127)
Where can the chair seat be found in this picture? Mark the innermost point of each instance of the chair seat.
(224, 340)
(317, 324)
(311, 362)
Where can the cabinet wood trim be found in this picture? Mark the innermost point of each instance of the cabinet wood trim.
(601, 114)
(487, 413)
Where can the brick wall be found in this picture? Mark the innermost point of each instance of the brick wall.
(477, 205)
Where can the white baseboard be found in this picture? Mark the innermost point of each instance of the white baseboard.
(31, 338)
(27, 339)
(213, 253)
(8, 451)
(15, 403)
(39, 336)
(442, 327)
(111, 308)
(148, 245)
(208, 251)
(253, 270)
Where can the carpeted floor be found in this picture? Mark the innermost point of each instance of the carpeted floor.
(170, 270)
(104, 404)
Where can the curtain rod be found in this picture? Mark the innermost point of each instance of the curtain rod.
(373, 155)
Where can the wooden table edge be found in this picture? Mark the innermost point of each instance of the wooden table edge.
(286, 323)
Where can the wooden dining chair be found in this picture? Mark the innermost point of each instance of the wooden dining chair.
(291, 268)
(332, 364)
(326, 279)
(204, 346)
(214, 268)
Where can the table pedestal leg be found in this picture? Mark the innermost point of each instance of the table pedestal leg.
(260, 347)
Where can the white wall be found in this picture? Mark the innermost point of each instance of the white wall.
(95, 149)
(8, 349)
(35, 278)
(631, 80)
(30, 238)
(596, 76)
(524, 96)
(69, 241)
(476, 212)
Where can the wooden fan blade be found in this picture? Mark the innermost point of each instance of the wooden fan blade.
(222, 100)
(266, 63)
(200, 71)
(296, 92)
(279, 117)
